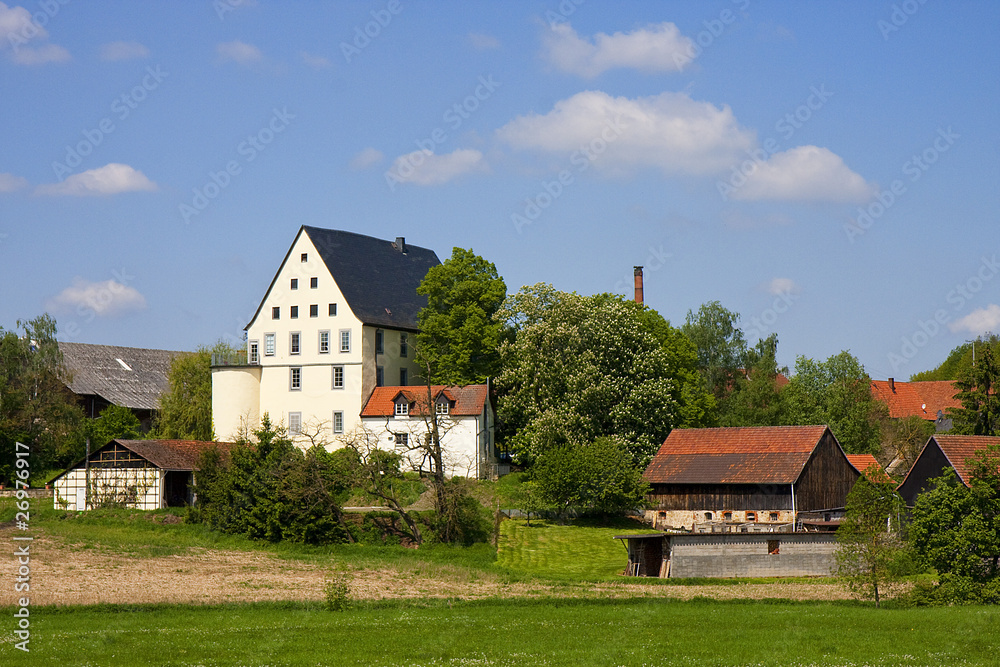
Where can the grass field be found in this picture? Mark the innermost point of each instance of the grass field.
(541, 632)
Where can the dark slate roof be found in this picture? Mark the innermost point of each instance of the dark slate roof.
(379, 282)
(96, 370)
(741, 455)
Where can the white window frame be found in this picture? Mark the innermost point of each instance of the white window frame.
(442, 408)
(401, 439)
(253, 353)
(338, 370)
(295, 342)
(338, 422)
(294, 373)
(294, 423)
(269, 344)
(402, 409)
(324, 348)
(344, 338)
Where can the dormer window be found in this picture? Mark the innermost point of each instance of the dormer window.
(442, 407)
(402, 408)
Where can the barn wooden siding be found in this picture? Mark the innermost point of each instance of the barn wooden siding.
(759, 497)
(826, 479)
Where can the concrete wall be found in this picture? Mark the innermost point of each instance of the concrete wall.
(799, 555)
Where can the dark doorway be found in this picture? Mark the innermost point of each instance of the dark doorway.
(177, 488)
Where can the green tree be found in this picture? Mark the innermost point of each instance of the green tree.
(977, 388)
(599, 477)
(36, 406)
(459, 337)
(960, 359)
(757, 399)
(869, 549)
(956, 528)
(576, 368)
(721, 346)
(114, 422)
(186, 408)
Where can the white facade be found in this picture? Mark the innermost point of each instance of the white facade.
(136, 488)
(311, 362)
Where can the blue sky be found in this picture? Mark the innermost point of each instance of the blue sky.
(827, 170)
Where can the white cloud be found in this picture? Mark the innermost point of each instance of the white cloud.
(805, 173)
(483, 42)
(369, 157)
(107, 180)
(669, 131)
(238, 52)
(11, 183)
(316, 62)
(18, 30)
(426, 168)
(39, 55)
(782, 286)
(123, 51)
(979, 321)
(108, 298)
(16, 22)
(656, 48)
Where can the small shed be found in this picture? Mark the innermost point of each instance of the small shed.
(940, 453)
(140, 474)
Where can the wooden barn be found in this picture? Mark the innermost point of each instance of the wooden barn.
(940, 453)
(746, 479)
(140, 474)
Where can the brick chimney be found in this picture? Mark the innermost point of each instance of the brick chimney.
(638, 284)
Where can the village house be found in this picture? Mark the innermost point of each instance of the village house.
(401, 416)
(747, 479)
(939, 454)
(928, 400)
(139, 474)
(130, 377)
(337, 321)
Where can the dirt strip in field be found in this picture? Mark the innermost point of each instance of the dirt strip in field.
(65, 574)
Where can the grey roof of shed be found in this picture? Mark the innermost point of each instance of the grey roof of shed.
(132, 377)
(379, 282)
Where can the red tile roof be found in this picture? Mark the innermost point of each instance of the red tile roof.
(958, 448)
(923, 399)
(862, 462)
(466, 401)
(742, 455)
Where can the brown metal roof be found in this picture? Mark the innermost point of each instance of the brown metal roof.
(742, 455)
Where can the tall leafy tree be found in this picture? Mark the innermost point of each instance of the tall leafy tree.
(576, 368)
(757, 398)
(459, 336)
(114, 422)
(721, 346)
(36, 407)
(977, 387)
(186, 409)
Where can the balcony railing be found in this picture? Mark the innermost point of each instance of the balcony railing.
(237, 358)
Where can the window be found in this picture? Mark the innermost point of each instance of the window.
(338, 422)
(774, 516)
(379, 376)
(314, 310)
(338, 377)
(403, 377)
(333, 309)
(727, 516)
(442, 407)
(404, 347)
(304, 257)
(294, 423)
(313, 283)
(269, 344)
(293, 312)
(751, 516)
(276, 313)
(293, 345)
(708, 516)
(401, 438)
(254, 354)
(295, 378)
(345, 340)
(402, 408)
(324, 342)
(295, 283)
(773, 547)
(379, 340)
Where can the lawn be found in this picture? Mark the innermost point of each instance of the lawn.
(540, 632)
